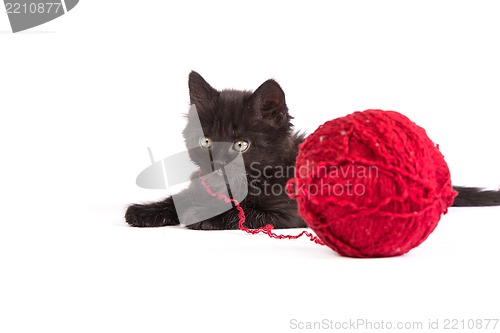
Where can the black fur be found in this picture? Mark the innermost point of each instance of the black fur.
(260, 118)
(475, 197)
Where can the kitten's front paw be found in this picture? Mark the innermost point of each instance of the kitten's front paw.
(138, 216)
(150, 216)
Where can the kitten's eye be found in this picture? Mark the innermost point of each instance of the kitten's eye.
(241, 146)
(205, 142)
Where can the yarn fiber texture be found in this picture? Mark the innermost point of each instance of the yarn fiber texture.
(371, 184)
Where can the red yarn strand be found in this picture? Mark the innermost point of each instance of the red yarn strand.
(267, 229)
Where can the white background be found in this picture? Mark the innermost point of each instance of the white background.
(82, 97)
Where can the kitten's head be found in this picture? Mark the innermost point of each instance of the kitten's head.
(255, 124)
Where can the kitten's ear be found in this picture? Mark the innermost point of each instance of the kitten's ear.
(200, 92)
(269, 102)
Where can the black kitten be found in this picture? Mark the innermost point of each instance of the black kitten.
(259, 126)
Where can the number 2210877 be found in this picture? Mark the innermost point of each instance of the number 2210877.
(33, 8)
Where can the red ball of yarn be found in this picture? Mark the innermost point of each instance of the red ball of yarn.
(371, 184)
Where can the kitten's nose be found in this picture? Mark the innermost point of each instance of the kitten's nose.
(218, 165)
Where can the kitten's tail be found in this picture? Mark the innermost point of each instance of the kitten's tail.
(475, 197)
